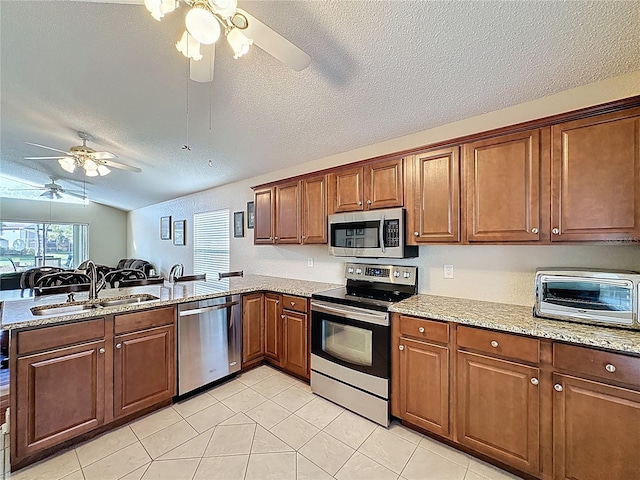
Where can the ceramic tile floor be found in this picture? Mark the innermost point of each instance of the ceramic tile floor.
(261, 425)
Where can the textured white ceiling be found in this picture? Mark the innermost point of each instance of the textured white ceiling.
(379, 70)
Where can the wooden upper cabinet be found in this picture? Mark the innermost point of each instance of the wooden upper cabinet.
(433, 197)
(595, 178)
(503, 188)
(374, 185)
(287, 213)
(263, 211)
(314, 210)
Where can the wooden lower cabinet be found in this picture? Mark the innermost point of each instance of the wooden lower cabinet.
(252, 327)
(295, 345)
(60, 395)
(596, 430)
(272, 330)
(144, 369)
(498, 409)
(424, 375)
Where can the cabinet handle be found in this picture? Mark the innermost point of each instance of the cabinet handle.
(293, 304)
(400, 347)
(610, 368)
(534, 230)
(555, 231)
(557, 387)
(421, 329)
(416, 234)
(276, 238)
(303, 237)
(277, 302)
(102, 350)
(282, 316)
(535, 381)
(494, 344)
(118, 345)
(368, 202)
(359, 203)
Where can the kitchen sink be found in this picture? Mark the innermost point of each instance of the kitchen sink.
(81, 306)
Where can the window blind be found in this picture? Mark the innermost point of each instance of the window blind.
(211, 246)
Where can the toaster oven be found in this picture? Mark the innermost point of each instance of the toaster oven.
(605, 297)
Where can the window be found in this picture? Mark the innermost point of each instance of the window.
(211, 247)
(25, 245)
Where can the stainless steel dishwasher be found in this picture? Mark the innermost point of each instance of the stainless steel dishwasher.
(209, 341)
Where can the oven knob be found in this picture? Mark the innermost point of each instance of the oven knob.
(396, 274)
(358, 271)
(350, 270)
(406, 274)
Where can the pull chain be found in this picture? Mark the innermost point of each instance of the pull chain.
(210, 120)
(186, 145)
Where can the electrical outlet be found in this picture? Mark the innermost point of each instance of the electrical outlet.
(448, 271)
(309, 262)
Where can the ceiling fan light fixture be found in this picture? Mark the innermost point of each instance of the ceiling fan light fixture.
(189, 47)
(239, 42)
(103, 170)
(202, 24)
(224, 8)
(89, 165)
(68, 164)
(158, 8)
(91, 173)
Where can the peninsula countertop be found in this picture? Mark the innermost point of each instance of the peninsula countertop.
(517, 319)
(16, 311)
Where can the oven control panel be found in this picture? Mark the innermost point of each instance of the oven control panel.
(382, 273)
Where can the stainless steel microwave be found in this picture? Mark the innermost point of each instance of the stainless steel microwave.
(372, 234)
(606, 297)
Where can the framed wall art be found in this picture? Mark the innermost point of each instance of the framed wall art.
(165, 228)
(251, 218)
(179, 232)
(238, 224)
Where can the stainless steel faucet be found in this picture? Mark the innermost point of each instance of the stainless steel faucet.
(95, 285)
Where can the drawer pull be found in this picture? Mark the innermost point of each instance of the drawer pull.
(534, 230)
(118, 345)
(421, 329)
(293, 304)
(610, 368)
(535, 381)
(101, 350)
(416, 234)
(557, 387)
(401, 347)
(494, 344)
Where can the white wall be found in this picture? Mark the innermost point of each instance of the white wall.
(493, 273)
(107, 225)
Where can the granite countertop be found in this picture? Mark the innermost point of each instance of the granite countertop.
(16, 311)
(517, 319)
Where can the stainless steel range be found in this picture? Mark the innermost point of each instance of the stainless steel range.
(351, 337)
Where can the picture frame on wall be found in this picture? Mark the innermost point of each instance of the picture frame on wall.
(179, 232)
(251, 216)
(165, 228)
(238, 224)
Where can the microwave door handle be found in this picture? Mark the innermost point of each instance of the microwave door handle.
(381, 234)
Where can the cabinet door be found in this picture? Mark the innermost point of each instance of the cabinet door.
(503, 188)
(314, 210)
(383, 184)
(596, 430)
(596, 178)
(346, 190)
(424, 385)
(144, 369)
(498, 410)
(272, 321)
(252, 327)
(287, 213)
(263, 216)
(435, 206)
(60, 394)
(295, 346)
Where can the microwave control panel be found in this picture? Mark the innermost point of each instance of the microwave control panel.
(392, 233)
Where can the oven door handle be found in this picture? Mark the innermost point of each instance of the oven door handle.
(381, 235)
(355, 314)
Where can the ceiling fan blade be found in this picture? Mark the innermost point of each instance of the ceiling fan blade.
(43, 158)
(48, 148)
(202, 70)
(104, 155)
(122, 166)
(275, 44)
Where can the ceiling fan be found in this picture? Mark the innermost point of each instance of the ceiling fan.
(208, 20)
(54, 191)
(94, 163)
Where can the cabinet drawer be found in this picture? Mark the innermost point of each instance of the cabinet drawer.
(500, 344)
(130, 322)
(424, 329)
(294, 303)
(625, 368)
(47, 338)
